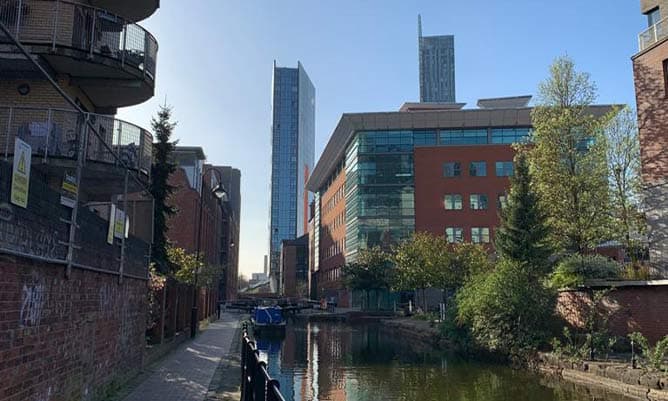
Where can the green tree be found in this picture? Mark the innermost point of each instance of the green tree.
(568, 159)
(523, 233)
(508, 310)
(418, 259)
(160, 189)
(185, 264)
(625, 184)
(372, 271)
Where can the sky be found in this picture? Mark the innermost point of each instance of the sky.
(215, 67)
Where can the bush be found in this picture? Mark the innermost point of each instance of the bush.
(507, 311)
(653, 356)
(574, 270)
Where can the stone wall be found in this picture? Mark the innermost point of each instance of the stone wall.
(67, 339)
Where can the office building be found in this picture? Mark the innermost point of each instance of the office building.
(650, 69)
(293, 137)
(383, 176)
(437, 67)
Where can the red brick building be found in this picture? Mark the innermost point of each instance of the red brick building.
(650, 69)
(428, 167)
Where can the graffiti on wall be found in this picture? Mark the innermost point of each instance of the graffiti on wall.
(33, 297)
(28, 237)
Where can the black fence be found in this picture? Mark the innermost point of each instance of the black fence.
(256, 384)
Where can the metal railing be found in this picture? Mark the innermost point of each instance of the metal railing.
(58, 133)
(61, 23)
(653, 34)
(256, 384)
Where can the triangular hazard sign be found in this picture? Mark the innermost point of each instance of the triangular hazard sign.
(22, 163)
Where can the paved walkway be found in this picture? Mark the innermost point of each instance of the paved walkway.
(185, 374)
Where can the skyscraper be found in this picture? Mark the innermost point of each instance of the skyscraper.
(437, 67)
(292, 154)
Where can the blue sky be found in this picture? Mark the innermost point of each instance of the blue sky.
(215, 61)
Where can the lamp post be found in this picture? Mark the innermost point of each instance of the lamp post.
(219, 192)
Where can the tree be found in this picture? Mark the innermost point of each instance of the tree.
(185, 264)
(372, 271)
(625, 184)
(418, 259)
(160, 189)
(523, 233)
(568, 159)
(508, 310)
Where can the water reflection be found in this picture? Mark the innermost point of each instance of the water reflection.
(339, 362)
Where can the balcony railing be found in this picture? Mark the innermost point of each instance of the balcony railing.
(653, 34)
(60, 23)
(57, 133)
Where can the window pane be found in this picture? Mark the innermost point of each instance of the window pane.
(453, 202)
(463, 137)
(478, 169)
(478, 202)
(452, 169)
(510, 135)
(454, 234)
(504, 169)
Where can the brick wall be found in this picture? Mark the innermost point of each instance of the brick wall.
(632, 308)
(67, 339)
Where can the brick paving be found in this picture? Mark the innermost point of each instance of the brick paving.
(186, 373)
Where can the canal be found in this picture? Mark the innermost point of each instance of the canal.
(362, 362)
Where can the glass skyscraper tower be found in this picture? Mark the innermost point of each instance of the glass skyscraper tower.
(292, 154)
(437, 67)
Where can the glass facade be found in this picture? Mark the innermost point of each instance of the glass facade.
(510, 135)
(293, 138)
(380, 207)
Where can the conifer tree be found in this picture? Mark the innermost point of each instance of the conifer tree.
(523, 233)
(160, 189)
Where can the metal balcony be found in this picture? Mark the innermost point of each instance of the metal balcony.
(112, 60)
(132, 10)
(654, 34)
(55, 136)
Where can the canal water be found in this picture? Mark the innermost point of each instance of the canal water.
(362, 362)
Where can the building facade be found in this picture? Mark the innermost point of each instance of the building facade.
(437, 67)
(295, 267)
(229, 240)
(383, 176)
(650, 69)
(292, 155)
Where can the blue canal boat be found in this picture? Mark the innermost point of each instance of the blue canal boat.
(268, 319)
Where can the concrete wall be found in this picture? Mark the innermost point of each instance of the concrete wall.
(67, 339)
(648, 5)
(632, 308)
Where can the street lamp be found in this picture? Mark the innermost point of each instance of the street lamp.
(219, 192)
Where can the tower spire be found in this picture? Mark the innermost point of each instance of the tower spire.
(419, 26)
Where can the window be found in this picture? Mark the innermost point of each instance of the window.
(478, 169)
(501, 201)
(504, 169)
(463, 137)
(452, 169)
(453, 202)
(510, 135)
(480, 235)
(454, 234)
(478, 202)
(653, 17)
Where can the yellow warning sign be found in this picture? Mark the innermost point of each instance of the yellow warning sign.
(21, 173)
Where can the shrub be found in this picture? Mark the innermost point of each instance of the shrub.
(574, 270)
(507, 311)
(653, 356)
